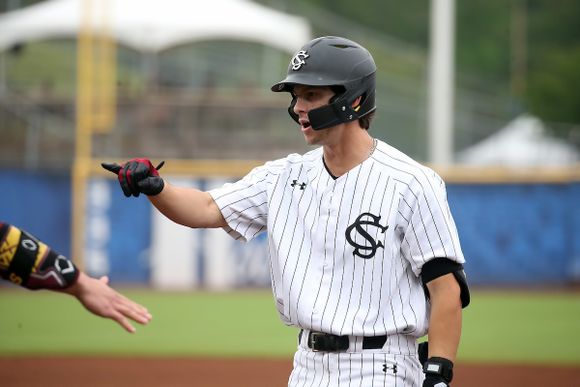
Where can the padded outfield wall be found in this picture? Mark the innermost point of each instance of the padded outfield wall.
(523, 232)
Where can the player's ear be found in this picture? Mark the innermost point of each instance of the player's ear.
(357, 102)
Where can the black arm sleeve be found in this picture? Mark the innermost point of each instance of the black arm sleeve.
(441, 266)
(28, 262)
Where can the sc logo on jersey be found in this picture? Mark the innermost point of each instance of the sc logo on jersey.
(369, 249)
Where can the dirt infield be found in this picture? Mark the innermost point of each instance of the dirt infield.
(123, 372)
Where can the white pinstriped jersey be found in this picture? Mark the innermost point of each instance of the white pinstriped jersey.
(346, 253)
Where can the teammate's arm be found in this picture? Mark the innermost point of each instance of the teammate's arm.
(186, 206)
(28, 262)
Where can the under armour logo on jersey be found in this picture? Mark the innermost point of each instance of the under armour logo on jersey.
(368, 250)
(386, 368)
(295, 183)
(298, 60)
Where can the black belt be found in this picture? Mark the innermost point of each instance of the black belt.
(325, 342)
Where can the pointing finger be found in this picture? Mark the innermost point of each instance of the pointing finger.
(113, 167)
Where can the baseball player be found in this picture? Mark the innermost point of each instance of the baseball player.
(27, 262)
(365, 256)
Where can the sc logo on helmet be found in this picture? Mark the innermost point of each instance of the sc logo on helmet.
(298, 60)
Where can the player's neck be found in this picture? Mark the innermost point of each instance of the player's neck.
(348, 151)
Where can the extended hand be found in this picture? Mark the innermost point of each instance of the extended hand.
(98, 298)
(137, 176)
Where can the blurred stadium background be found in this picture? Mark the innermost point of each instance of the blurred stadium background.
(200, 100)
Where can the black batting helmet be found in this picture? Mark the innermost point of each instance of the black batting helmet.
(339, 63)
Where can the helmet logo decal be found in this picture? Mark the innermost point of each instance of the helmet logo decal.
(298, 60)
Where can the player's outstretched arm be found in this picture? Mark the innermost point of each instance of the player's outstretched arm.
(444, 329)
(189, 207)
(98, 298)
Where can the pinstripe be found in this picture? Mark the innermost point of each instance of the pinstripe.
(372, 284)
(274, 282)
(329, 362)
(275, 223)
(286, 218)
(385, 374)
(301, 242)
(418, 241)
(333, 260)
(382, 273)
(303, 282)
(323, 368)
(441, 208)
(398, 286)
(361, 377)
(369, 308)
(314, 368)
(325, 235)
(296, 267)
(449, 223)
(349, 369)
(354, 260)
(304, 370)
(312, 241)
(339, 361)
(364, 261)
(344, 258)
(435, 225)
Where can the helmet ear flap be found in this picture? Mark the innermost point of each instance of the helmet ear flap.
(338, 91)
(291, 109)
(367, 102)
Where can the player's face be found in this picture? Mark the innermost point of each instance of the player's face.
(308, 98)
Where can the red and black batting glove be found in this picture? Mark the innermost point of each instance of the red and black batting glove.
(137, 176)
(438, 372)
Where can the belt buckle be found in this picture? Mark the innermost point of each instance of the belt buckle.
(313, 341)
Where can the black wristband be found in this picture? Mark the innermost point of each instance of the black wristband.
(28, 262)
(21, 256)
(439, 366)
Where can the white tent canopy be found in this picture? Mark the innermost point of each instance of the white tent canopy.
(153, 25)
(524, 141)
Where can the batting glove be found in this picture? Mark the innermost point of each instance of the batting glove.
(137, 176)
(438, 372)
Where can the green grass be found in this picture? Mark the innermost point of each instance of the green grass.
(233, 324)
(522, 327)
(503, 327)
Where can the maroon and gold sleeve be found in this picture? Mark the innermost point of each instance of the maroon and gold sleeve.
(28, 262)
